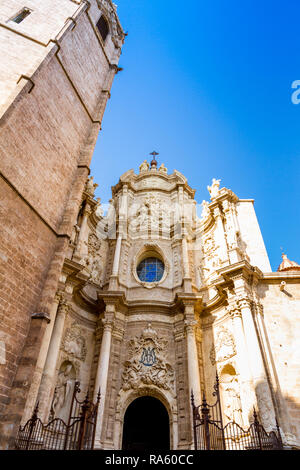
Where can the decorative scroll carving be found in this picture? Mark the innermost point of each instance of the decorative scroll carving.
(177, 265)
(147, 363)
(210, 251)
(93, 261)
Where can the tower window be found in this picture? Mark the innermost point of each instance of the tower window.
(21, 16)
(150, 270)
(103, 27)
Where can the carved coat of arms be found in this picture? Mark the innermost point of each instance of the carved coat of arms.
(147, 363)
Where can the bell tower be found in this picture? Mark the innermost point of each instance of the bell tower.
(60, 58)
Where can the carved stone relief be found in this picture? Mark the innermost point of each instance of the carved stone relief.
(93, 261)
(224, 347)
(264, 404)
(151, 214)
(74, 343)
(177, 266)
(232, 405)
(147, 363)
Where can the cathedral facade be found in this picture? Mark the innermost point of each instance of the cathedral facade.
(144, 303)
(154, 299)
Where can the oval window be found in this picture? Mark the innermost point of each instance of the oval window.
(150, 270)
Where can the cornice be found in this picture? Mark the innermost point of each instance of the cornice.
(131, 179)
(240, 269)
(279, 276)
(224, 194)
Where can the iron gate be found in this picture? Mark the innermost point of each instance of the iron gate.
(77, 434)
(210, 434)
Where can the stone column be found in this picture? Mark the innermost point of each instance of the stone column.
(102, 374)
(247, 394)
(123, 216)
(192, 353)
(187, 281)
(34, 389)
(47, 382)
(260, 380)
(192, 357)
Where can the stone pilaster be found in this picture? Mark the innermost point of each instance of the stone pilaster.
(35, 385)
(113, 281)
(247, 394)
(187, 281)
(48, 378)
(259, 376)
(102, 367)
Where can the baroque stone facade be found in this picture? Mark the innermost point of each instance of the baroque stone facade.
(149, 299)
(214, 307)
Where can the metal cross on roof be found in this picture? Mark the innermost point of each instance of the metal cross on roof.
(154, 162)
(154, 154)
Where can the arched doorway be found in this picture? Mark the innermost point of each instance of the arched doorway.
(146, 425)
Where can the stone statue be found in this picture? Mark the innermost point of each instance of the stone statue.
(163, 169)
(214, 188)
(90, 186)
(142, 219)
(144, 166)
(233, 406)
(205, 210)
(98, 211)
(63, 390)
(75, 233)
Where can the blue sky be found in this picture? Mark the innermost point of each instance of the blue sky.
(208, 85)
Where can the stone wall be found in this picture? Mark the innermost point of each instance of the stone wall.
(27, 245)
(49, 126)
(282, 323)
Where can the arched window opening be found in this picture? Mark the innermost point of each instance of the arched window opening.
(103, 27)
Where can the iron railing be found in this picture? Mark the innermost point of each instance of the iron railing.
(77, 434)
(210, 434)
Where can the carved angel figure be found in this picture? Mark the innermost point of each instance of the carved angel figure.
(144, 166)
(163, 169)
